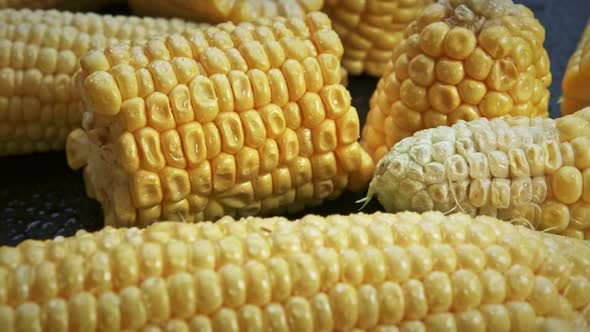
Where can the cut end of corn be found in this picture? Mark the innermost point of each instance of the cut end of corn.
(370, 30)
(234, 120)
(39, 55)
(219, 11)
(519, 169)
(454, 64)
(576, 81)
(378, 272)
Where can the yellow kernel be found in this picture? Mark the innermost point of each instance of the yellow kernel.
(148, 142)
(324, 165)
(496, 317)
(522, 315)
(292, 115)
(128, 153)
(459, 43)
(313, 74)
(278, 87)
(125, 76)
(260, 87)
(414, 96)
(133, 313)
(242, 90)
(175, 183)
(437, 287)
(464, 112)
(254, 128)
(145, 82)
(345, 305)
(496, 104)
(185, 69)
(478, 64)
(181, 105)
(402, 67)
(449, 71)
(432, 38)
(444, 98)
(580, 147)
(415, 300)
(163, 75)
(223, 169)
(330, 65)
(208, 289)
(495, 40)
(312, 110)
(336, 99)
(203, 99)
(295, 79)
(567, 184)
(193, 140)
(212, 139)
(157, 302)
(503, 75)
(270, 155)
(421, 70)
(172, 149)
(158, 112)
(348, 127)
(214, 61)
(224, 92)
(255, 55)
(102, 94)
(467, 290)
(274, 120)
(247, 160)
(472, 91)
(288, 146)
(230, 128)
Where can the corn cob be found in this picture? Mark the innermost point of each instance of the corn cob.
(535, 170)
(370, 30)
(231, 120)
(39, 54)
(576, 81)
(219, 11)
(460, 60)
(379, 272)
(57, 4)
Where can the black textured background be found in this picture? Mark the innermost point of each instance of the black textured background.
(40, 197)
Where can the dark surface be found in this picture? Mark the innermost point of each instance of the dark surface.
(40, 197)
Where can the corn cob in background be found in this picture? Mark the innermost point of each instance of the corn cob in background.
(370, 30)
(219, 11)
(535, 170)
(576, 81)
(232, 120)
(460, 60)
(39, 54)
(379, 272)
(72, 5)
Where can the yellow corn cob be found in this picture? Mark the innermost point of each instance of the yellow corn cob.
(57, 4)
(218, 11)
(379, 272)
(39, 54)
(576, 81)
(232, 120)
(529, 169)
(460, 59)
(370, 30)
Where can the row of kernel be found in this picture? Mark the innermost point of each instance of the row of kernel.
(123, 27)
(223, 175)
(23, 111)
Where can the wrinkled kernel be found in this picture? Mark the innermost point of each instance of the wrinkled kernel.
(496, 104)
(449, 71)
(414, 96)
(432, 38)
(444, 98)
(421, 70)
(478, 64)
(459, 43)
(471, 91)
(503, 75)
